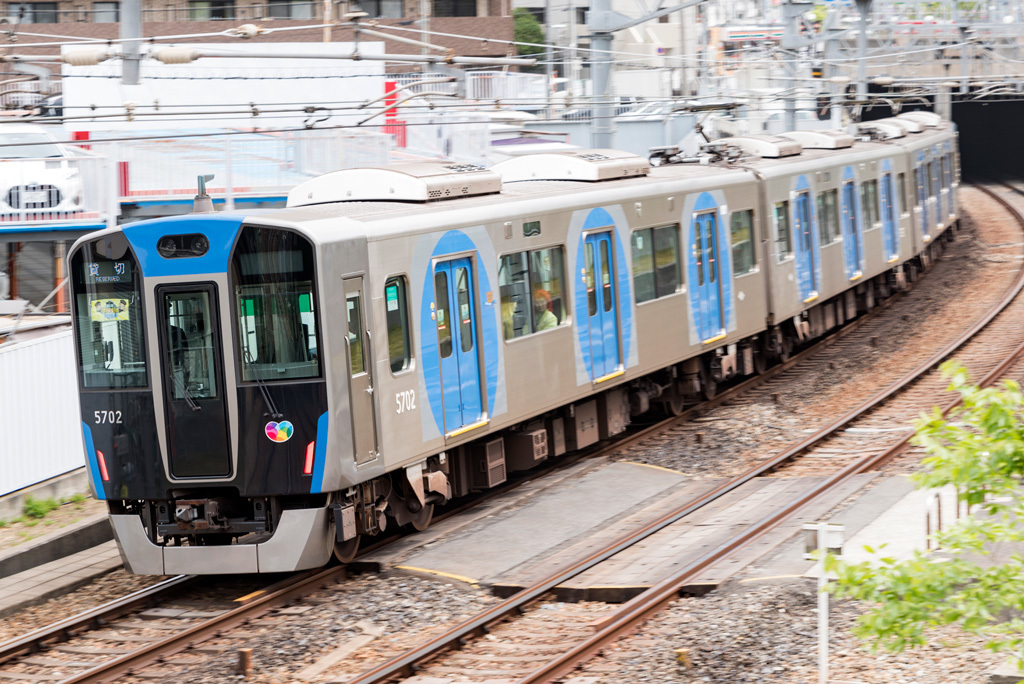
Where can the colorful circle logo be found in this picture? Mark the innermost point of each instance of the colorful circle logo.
(279, 432)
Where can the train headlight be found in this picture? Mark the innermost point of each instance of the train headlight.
(182, 246)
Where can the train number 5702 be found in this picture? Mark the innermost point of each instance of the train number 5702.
(406, 401)
(107, 417)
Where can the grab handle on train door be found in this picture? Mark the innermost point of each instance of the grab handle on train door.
(372, 359)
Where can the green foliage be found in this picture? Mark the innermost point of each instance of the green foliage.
(527, 30)
(978, 449)
(75, 499)
(37, 508)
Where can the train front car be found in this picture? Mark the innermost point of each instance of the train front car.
(204, 400)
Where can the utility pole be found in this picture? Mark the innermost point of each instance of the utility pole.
(603, 23)
(548, 56)
(131, 27)
(864, 7)
(793, 13)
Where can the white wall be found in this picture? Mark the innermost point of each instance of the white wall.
(42, 435)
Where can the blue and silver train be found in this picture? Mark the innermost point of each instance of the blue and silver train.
(260, 390)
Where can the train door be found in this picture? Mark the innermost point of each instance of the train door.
(933, 169)
(602, 323)
(360, 356)
(851, 236)
(947, 190)
(806, 265)
(890, 238)
(922, 200)
(710, 320)
(455, 318)
(197, 435)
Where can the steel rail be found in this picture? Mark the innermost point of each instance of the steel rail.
(413, 659)
(292, 587)
(643, 606)
(64, 629)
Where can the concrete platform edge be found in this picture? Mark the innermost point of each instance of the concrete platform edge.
(59, 487)
(72, 539)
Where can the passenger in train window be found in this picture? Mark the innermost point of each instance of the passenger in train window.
(543, 316)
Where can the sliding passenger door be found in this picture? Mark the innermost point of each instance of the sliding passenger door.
(711, 322)
(851, 236)
(455, 318)
(364, 419)
(806, 256)
(602, 322)
(890, 237)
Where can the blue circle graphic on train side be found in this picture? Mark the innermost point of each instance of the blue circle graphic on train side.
(602, 297)
(453, 381)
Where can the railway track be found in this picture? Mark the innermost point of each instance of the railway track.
(918, 390)
(157, 649)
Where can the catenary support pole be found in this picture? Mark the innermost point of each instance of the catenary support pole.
(131, 27)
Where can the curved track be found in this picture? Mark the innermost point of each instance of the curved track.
(628, 615)
(1006, 350)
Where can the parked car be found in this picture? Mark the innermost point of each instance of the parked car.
(37, 174)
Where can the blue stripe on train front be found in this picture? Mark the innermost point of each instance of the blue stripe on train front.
(219, 229)
(92, 463)
(320, 453)
(456, 242)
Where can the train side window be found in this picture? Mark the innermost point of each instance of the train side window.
(606, 276)
(514, 284)
(546, 284)
(828, 221)
(901, 182)
(464, 304)
(656, 269)
(643, 265)
(667, 273)
(869, 202)
(396, 314)
(783, 238)
(741, 231)
(443, 319)
(355, 335)
(531, 286)
(591, 285)
(947, 177)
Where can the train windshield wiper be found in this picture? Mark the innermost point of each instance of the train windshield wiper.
(189, 399)
(271, 408)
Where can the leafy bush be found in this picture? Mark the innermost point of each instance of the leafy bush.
(37, 508)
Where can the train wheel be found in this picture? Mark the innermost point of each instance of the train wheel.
(708, 385)
(346, 551)
(786, 349)
(760, 361)
(675, 406)
(421, 520)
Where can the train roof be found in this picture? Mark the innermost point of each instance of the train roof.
(379, 218)
(391, 218)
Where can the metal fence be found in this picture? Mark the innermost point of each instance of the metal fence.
(77, 189)
(515, 90)
(449, 135)
(250, 165)
(40, 401)
(34, 13)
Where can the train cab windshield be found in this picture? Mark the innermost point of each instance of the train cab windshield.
(275, 303)
(107, 292)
